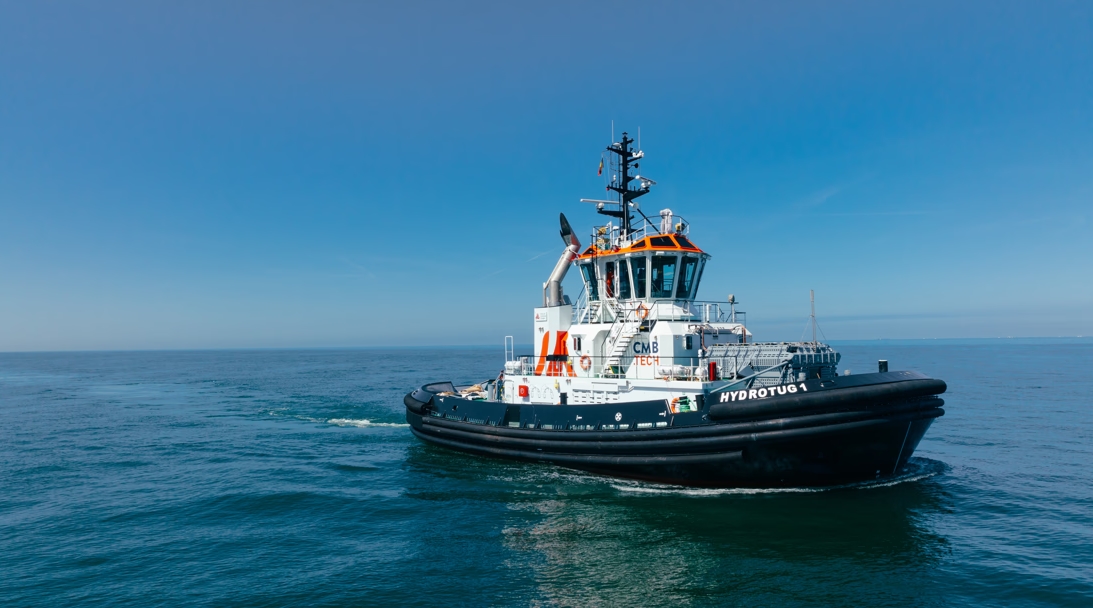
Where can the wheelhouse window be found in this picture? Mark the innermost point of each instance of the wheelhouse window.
(663, 274)
(686, 277)
(698, 278)
(624, 280)
(589, 274)
(609, 280)
(638, 265)
(662, 241)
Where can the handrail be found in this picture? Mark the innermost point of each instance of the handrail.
(752, 377)
(580, 305)
(691, 367)
(693, 310)
(643, 228)
(621, 321)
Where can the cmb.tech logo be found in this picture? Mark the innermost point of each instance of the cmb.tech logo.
(641, 348)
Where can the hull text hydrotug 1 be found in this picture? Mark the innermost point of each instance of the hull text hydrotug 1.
(639, 379)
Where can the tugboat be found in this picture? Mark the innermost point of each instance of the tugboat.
(639, 379)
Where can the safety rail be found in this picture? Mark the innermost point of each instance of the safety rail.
(765, 363)
(694, 310)
(664, 309)
(625, 325)
(677, 368)
(669, 368)
(580, 308)
(492, 389)
(609, 236)
(749, 380)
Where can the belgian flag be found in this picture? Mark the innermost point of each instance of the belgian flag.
(600, 171)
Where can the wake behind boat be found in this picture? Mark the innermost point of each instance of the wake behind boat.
(637, 378)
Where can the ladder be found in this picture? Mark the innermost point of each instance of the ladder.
(619, 337)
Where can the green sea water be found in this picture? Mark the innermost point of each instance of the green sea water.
(276, 478)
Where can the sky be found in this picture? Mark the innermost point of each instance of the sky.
(342, 174)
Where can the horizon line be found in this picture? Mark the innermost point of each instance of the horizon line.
(475, 346)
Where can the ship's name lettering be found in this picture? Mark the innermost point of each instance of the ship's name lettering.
(761, 393)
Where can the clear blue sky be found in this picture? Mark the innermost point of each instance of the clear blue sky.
(272, 174)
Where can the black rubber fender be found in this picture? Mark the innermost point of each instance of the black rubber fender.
(412, 402)
(701, 430)
(586, 459)
(817, 426)
(684, 439)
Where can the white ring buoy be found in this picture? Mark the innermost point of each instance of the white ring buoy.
(586, 362)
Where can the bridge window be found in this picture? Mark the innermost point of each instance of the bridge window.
(639, 276)
(609, 280)
(698, 279)
(686, 276)
(624, 280)
(589, 274)
(663, 275)
(662, 241)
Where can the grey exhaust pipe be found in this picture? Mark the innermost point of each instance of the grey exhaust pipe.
(552, 289)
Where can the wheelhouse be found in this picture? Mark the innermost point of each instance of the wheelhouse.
(647, 269)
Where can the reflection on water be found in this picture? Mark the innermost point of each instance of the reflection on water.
(591, 540)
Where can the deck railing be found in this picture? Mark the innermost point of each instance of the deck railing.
(671, 368)
(658, 310)
(608, 236)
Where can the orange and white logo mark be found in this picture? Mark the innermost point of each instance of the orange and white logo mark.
(557, 363)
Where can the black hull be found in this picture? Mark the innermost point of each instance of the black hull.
(863, 431)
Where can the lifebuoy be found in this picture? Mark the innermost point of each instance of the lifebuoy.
(643, 312)
(586, 362)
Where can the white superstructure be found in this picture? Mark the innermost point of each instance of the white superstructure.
(637, 332)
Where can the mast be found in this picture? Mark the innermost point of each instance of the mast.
(621, 183)
(812, 317)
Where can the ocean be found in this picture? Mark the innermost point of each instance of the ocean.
(289, 477)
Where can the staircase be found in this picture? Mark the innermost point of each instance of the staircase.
(619, 338)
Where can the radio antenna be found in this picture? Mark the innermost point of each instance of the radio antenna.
(812, 301)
